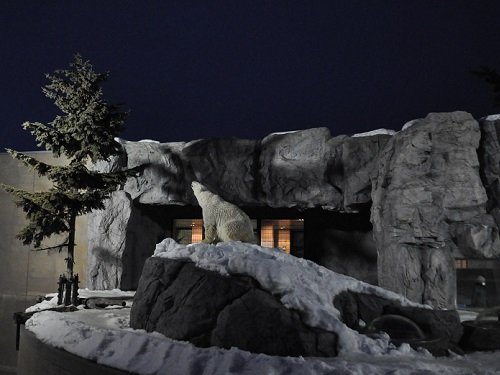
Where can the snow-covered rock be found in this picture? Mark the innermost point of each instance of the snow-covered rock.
(300, 285)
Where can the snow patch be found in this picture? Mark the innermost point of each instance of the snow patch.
(44, 305)
(375, 132)
(124, 141)
(409, 124)
(492, 117)
(121, 140)
(51, 302)
(285, 132)
(113, 293)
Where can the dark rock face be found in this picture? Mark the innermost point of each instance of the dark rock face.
(443, 324)
(481, 335)
(184, 302)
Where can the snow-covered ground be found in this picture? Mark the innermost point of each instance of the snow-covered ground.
(51, 298)
(104, 336)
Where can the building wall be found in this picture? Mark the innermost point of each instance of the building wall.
(25, 275)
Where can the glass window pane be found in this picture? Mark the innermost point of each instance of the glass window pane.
(187, 231)
(287, 234)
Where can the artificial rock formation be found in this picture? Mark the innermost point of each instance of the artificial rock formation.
(429, 204)
(433, 189)
(302, 169)
(205, 308)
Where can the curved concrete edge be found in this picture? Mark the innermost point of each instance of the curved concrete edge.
(36, 357)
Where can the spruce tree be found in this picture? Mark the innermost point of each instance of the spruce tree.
(83, 132)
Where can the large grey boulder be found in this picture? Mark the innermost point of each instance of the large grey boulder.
(161, 170)
(293, 167)
(187, 303)
(429, 203)
(227, 166)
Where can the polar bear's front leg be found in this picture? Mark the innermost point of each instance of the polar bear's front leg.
(210, 234)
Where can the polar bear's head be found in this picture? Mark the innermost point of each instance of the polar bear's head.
(198, 189)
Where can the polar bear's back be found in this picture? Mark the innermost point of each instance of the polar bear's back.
(236, 230)
(232, 223)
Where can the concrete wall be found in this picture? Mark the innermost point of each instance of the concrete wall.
(25, 274)
(34, 356)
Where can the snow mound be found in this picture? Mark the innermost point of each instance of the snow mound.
(301, 284)
(375, 132)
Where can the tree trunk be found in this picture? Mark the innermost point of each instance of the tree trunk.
(71, 245)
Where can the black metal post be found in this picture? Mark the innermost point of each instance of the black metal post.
(74, 293)
(60, 289)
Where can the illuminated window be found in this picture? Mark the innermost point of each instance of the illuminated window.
(287, 234)
(188, 231)
(460, 263)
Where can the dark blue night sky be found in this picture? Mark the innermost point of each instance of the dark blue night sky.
(205, 69)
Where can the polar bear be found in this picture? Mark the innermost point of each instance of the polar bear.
(223, 221)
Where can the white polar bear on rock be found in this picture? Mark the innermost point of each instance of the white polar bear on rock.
(223, 221)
